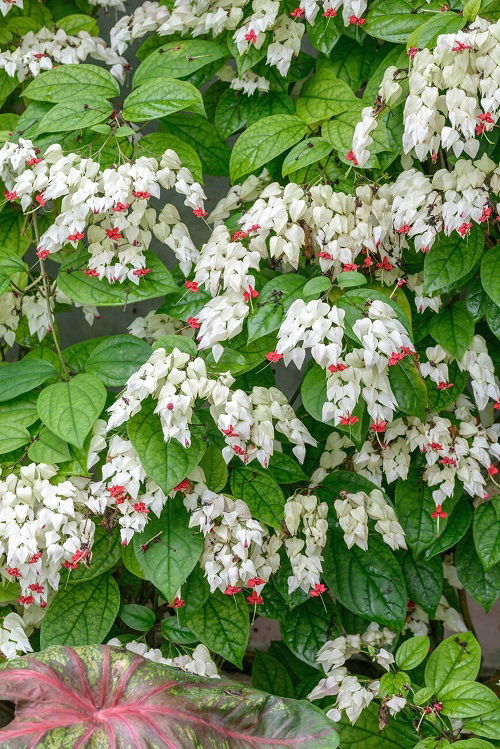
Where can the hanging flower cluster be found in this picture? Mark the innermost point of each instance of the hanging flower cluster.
(109, 208)
(41, 50)
(44, 529)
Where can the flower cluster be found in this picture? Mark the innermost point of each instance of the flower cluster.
(454, 449)
(355, 509)
(239, 551)
(155, 325)
(353, 694)
(307, 526)
(248, 423)
(13, 638)
(175, 381)
(453, 95)
(41, 50)
(365, 371)
(197, 662)
(368, 230)
(126, 488)
(109, 208)
(43, 529)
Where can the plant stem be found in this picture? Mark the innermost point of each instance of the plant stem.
(47, 294)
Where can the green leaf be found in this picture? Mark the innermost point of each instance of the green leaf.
(115, 359)
(261, 493)
(71, 115)
(76, 355)
(160, 98)
(392, 20)
(274, 300)
(286, 470)
(305, 153)
(483, 585)
(167, 464)
(137, 617)
(453, 329)
(201, 134)
(424, 581)
(263, 141)
(466, 699)
(90, 290)
(351, 482)
(81, 614)
(394, 683)
(70, 409)
(176, 632)
(24, 375)
(365, 733)
(473, 743)
(20, 410)
(456, 527)
(7, 86)
(487, 725)
(265, 105)
(194, 593)
(155, 144)
(457, 658)
(423, 695)
(15, 237)
(349, 279)
(324, 96)
(169, 560)
(230, 112)
(215, 469)
(106, 553)
(316, 286)
(178, 59)
(271, 676)
(412, 652)
(72, 82)
(409, 388)
(493, 318)
(124, 131)
(368, 583)
(489, 274)
(9, 591)
(223, 626)
(306, 629)
(471, 9)
(49, 448)
(352, 62)
(486, 533)
(181, 342)
(426, 34)
(451, 259)
(77, 22)
(324, 33)
(12, 436)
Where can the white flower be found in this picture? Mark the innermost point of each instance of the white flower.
(305, 519)
(395, 704)
(13, 639)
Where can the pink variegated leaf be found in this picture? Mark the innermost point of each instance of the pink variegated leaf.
(100, 697)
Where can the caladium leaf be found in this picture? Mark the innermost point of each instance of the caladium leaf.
(99, 696)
